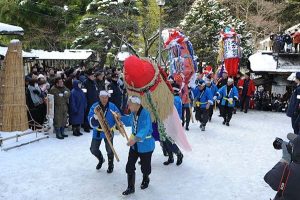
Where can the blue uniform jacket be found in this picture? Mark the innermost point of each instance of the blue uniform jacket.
(77, 104)
(203, 97)
(222, 94)
(178, 105)
(144, 131)
(213, 88)
(98, 134)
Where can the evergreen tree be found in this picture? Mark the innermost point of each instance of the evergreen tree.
(105, 25)
(203, 24)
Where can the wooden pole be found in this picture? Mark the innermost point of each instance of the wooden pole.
(119, 125)
(106, 129)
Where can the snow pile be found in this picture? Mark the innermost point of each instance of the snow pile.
(227, 163)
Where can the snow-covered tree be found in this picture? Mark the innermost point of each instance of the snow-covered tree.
(203, 24)
(106, 24)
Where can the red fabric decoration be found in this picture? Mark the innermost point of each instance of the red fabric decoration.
(138, 73)
(232, 66)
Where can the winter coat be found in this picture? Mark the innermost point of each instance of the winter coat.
(143, 131)
(202, 97)
(97, 131)
(296, 38)
(92, 93)
(273, 178)
(293, 108)
(116, 96)
(288, 39)
(178, 105)
(222, 94)
(251, 87)
(61, 101)
(78, 104)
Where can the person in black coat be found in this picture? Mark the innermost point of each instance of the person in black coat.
(284, 177)
(293, 110)
(116, 96)
(91, 96)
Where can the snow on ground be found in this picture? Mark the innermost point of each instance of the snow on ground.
(226, 163)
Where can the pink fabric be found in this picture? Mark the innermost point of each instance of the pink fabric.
(176, 132)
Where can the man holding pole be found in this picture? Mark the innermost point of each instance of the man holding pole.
(98, 132)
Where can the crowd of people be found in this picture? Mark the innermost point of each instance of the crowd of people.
(288, 42)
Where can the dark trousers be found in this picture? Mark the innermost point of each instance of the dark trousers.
(296, 123)
(145, 162)
(95, 148)
(186, 116)
(245, 102)
(171, 148)
(227, 113)
(202, 115)
(86, 124)
(296, 47)
(210, 112)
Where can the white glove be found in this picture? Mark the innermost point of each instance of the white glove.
(61, 94)
(66, 92)
(230, 100)
(218, 101)
(215, 98)
(95, 117)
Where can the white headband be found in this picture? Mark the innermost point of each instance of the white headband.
(134, 99)
(104, 93)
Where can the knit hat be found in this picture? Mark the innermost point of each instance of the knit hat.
(89, 72)
(134, 99)
(104, 93)
(230, 80)
(298, 75)
(201, 83)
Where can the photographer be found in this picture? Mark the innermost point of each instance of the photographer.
(284, 177)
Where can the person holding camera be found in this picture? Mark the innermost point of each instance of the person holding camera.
(284, 177)
(293, 110)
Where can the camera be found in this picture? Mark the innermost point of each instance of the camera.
(277, 143)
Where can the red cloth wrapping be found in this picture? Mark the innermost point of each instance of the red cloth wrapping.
(232, 66)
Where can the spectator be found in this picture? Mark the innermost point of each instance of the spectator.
(296, 40)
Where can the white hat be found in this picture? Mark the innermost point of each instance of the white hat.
(230, 80)
(41, 76)
(135, 99)
(104, 93)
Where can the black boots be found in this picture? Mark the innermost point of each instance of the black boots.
(58, 134)
(110, 168)
(101, 161)
(169, 161)
(76, 131)
(145, 182)
(131, 181)
(179, 159)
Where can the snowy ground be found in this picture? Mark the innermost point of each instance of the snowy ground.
(226, 163)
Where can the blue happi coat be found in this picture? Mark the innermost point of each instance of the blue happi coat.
(222, 94)
(213, 88)
(203, 97)
(178, 105)
(97, 132)
(143, 131)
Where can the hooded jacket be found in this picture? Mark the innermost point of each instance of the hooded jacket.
(78, 104)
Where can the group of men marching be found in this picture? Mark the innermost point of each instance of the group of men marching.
(203, 97)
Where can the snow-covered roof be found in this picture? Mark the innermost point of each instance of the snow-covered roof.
(25, 54)
(265, 62)
(68, 54)
(292, 77)
(7, 29)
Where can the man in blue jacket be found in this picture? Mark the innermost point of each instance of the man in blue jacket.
(293, 110)
(228, 94)
(203, 100)
(141, 143)
(214, 89)
(98, 133)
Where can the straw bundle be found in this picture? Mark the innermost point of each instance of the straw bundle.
(162, 98)
(13, 113)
